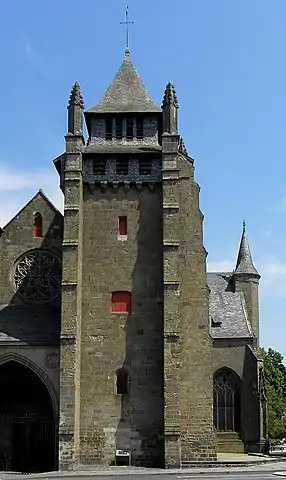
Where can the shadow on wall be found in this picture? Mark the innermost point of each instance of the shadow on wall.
(251, 402)
(141, 426)
(34, 322)
(28, 420)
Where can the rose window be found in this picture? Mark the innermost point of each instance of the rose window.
(37, 277)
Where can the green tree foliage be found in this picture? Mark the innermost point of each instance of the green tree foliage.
(275, 384)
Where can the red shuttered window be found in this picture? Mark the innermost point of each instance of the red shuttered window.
(122, 225)
(121, 302)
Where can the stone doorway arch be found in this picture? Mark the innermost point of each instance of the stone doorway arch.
(28, 418)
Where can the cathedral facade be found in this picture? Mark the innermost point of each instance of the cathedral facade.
(113, 338)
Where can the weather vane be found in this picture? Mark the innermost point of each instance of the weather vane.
(126, 23)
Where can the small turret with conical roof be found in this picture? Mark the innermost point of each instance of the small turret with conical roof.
(246, 280)
(75, 111)
(170, 107)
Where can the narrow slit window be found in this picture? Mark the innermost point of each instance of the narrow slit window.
(118, 128)
(145, 167)
(139, 128)
(122, 166)
(129, 128)
(108, 129)
(121, 302)
(99, 166)
(122, 381)
(38, 225)
(122, 226)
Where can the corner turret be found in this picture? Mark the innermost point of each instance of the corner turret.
(75, 111)
(246, 280)
(170, 107)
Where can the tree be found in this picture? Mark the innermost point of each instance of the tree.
(275, 384)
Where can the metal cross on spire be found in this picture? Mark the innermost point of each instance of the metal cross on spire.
(127, 23)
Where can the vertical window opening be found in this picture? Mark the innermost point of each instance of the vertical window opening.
(108, 129)
(121, 302)
(38, 225)
(122, 166)
(118, 128)
(122, 225)
(139, 128)
(122, 380)
(129, 128)
(145, 167)
(226, 401)
(99, 166)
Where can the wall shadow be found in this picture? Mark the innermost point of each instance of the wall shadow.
(30, 324)
(141, 426)
(251, 401)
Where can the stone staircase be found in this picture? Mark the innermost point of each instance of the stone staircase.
(229, 442)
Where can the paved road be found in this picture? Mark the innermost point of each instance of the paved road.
(210, 475)
(205, 476)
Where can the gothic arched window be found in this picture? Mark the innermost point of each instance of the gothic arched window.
(122, 381)
(226, 401)
(38, 225)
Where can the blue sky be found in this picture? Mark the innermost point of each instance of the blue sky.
(227, 60)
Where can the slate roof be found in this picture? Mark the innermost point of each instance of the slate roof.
(126, 93)
(228, 317)
(30, 325)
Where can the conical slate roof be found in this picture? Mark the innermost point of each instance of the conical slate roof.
(244, 262)
(126, 93)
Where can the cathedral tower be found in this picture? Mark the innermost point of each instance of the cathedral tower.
(135, 302)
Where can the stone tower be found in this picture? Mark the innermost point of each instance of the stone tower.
(136, 371)
(246, 280)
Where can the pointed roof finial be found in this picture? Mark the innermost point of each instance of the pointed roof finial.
(182, 147)
(127, 23)
(244, 264)
(243, 227)
(170, 96)
(76, 97)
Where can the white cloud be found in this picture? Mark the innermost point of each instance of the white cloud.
(220, 266)
(17, 188)
(14, 180)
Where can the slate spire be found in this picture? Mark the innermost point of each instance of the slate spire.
(75, 110)
(244, 264)
(170, 107)
(126, 93)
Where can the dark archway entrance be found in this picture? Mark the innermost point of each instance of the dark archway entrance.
(27, 421)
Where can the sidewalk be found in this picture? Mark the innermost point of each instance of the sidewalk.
(227, 463)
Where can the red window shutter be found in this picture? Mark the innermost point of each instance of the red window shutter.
(38, 225)
(122, 225)
(121, 302)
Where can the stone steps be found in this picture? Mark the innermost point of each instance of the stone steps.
(229, 443)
